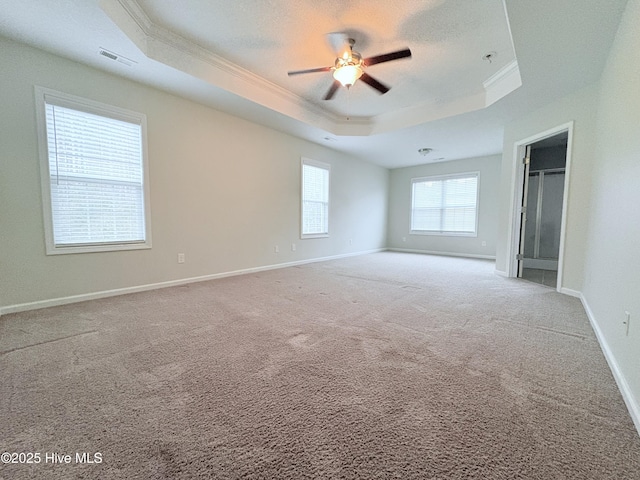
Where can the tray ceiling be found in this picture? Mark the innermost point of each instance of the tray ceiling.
(234, 56)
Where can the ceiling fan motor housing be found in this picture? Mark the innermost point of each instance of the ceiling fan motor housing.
(354, 58)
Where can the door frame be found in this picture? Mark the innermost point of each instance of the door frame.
(517, 187)
(522, 205)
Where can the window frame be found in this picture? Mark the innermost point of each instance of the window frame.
(44, 96)
(314, 163)
(445, 177)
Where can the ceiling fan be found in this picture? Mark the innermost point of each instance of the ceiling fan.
(349, 65)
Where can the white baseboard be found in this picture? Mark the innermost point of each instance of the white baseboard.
(22, 307)
(501, 273)
(633, 404)
(570, 292)
(445, 254)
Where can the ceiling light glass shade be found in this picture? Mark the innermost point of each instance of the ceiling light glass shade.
(347, 74)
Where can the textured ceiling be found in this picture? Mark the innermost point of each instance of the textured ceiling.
(234, 55)
(448, 40)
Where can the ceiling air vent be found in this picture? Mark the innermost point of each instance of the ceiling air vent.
(116, 57)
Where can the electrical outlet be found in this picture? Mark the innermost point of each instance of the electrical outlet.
(484, 244)
(351, 241)
(404, 239)
(276, 249)
(181, 258)
(293, 247)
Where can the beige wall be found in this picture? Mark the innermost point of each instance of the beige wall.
(400, 208)
(602, 254)
(579, 108)
(224, 191)
(612, 259)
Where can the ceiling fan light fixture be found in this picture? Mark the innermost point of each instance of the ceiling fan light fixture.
(347, 74)
(348, 68)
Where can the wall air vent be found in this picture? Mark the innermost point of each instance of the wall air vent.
(114, 56)
(110, 55)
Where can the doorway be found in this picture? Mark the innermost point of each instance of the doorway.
(541, 208)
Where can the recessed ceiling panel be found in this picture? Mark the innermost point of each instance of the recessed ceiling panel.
(448, 40)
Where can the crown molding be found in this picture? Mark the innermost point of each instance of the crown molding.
(502, 83)
(167, 47)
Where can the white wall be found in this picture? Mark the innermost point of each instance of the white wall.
(602, 254)
(400, 208)
(224, 191)
(612, 260)
(579, 107)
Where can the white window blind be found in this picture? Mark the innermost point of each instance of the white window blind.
(445, 204)
(315, 199)
(96, 179)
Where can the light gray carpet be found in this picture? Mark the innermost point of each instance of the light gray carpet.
(380, 366)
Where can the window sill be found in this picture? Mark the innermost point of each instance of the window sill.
(306, 236)
(96, 248)
(443, 234)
